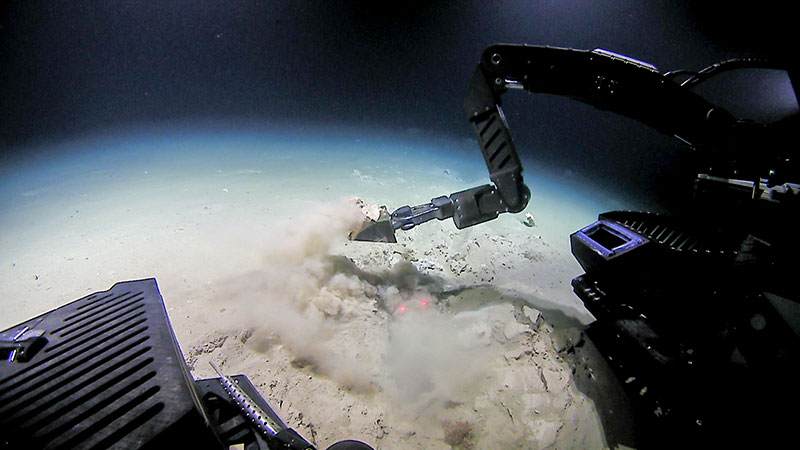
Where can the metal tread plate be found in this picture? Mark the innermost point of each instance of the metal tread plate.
(109, 374)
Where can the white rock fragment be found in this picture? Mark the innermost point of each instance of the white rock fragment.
(532, 314)
(371, 210)
(529, 222)
(426, 266)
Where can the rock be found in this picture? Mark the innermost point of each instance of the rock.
(426, 266)
(529, 222)
(371, 211)
(458, 267)
(533, 315)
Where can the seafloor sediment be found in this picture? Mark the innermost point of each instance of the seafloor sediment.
(421, 344)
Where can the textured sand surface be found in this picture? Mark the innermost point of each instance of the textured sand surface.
(397, 345)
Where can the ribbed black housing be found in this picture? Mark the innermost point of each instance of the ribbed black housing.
(110, 375)
(676, 235)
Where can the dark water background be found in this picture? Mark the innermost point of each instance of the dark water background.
(70, 68)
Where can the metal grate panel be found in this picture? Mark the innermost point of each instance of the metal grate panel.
(109, 375)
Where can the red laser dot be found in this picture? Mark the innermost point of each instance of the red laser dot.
(424, 303)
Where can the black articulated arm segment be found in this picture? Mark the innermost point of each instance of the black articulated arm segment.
(482, 106)
(607, 81)
(509, 193)
(601, 78)
(476, 205)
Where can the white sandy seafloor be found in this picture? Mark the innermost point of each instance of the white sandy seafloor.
(445, 339)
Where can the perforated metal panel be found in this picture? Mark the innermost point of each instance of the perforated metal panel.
(109, 375)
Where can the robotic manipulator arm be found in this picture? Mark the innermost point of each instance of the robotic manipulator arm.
(605, 80)
(508, 192)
